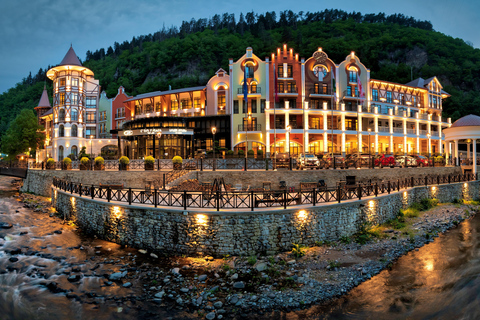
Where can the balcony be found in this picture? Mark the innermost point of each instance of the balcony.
(287, 91)
(321, 91)
(250, 127)
(397, 130)
(252, 90)
(383, 129)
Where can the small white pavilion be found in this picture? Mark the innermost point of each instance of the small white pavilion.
(464, 130)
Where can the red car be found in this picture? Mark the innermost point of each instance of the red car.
(385, 160)
(422, 161)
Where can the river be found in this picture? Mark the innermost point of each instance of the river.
(48, 269)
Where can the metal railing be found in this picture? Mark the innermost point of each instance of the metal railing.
(250, 127)
(249, 200)
(250, 90)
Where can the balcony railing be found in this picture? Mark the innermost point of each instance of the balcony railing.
(383, 129)
(287, 90)
(250, 90)
(321, 90)
(250, 127)
(398, 130)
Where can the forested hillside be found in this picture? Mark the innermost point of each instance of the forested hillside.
(394, 47)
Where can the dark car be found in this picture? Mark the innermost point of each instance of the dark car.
(325, 161)
(422, 161)
(282, 160)
(356, 160)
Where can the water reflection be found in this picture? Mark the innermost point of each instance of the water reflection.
(440, 281)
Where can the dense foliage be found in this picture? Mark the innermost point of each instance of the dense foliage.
(395, 48)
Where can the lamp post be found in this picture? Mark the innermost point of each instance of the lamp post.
(159, 135)
(91, 152)
(288, 129)
(369, 153)
(214, 130)
(429, 145)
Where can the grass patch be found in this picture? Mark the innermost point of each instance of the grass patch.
(410, 212)
(298, 250)
(345, 240)
(252, 260)
(333, 264)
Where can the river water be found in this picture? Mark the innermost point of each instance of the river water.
(439, 281)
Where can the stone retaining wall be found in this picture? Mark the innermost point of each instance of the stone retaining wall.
(39, 182)
(241, 233)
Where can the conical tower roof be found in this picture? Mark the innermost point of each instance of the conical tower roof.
(44, 102)
(70, 59)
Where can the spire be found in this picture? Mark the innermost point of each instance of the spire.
(44, 102)
(70, 58)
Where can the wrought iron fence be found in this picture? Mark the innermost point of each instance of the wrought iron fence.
(249, 200)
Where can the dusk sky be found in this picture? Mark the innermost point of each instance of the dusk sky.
(38, 33)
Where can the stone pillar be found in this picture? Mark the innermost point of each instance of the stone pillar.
(343, 144)
(474, 166)
(468, 150)
(456, 152)
(447, 150)
(325, 142)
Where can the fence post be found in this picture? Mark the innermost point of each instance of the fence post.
(438, 179)
(314, 197)
(71, 187)
(158, 164)
(201, 164)
(155, 197)
(184, 200)
(109, 194)
(334, 163)
(284, 199)
(376, 189)
(43, 165)
(266, 164)
(92, 191)
(251, 200)
(130, 196)
(359, 192)
(449, 177)
(80, 190)
(388, 186)
(339, 194)
(218, 200)
(290, 167)
(164, 181)
(245, 163)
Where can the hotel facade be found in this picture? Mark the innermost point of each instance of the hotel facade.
(282, 103)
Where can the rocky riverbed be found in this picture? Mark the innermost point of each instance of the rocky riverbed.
(148, 284)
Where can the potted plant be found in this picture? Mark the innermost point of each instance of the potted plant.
(67, 164)
(250, 153)
(241, 153)
(99, 163)
(124, 161)
(84, 163)
(177, 163)
(229, 153)
(50, 164)
(149, 163)
(260, 153)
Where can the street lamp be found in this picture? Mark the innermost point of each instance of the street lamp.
(214, 130)
(91, 152)
(369, 145)
(159, 135)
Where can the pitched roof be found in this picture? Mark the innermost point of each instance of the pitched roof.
(70, 59)
(419, 83)
(44, 102)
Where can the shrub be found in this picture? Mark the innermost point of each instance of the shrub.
(260, 152)
(345, 240)
(410, 212)
(428, 203)
(252, 260)
(230, 152)
(124, 160)
(85, 161)
(149, 160)
(177, 160)
(50, 162)
(241, 152)
(298, 250)
(99, 161)
(67, 161)
(251, 152)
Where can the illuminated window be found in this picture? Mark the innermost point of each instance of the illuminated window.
(389, 96)
(74, 98)
(60, 153)
(61, 115)
(174, 105)
(320, 72)
(158, 107)
(61, 131)
(62, 98)
(74, 131)
(74, 152)
(352, 74)
(374, 94)
(91, 102)
(61, 82)
(74, 82)
(235, 106)
(249, 70)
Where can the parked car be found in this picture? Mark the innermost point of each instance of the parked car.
(385, 160)
(309, 161)
(422, 161)
(407, 161)
(356, 160)
(282, 160)
(325, 161)
(200, 154)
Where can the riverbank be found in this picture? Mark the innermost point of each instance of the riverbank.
(233, 287)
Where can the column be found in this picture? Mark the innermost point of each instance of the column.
(447, 153)
(376, 143)
(343, 144)
(405, 151)
(391, 148)
(456, 152)
(418, 145)
(468, 150)
(267, 130)
(474, 167)
(359, 142)
(325, 142)
(306, 138)
(267, 142)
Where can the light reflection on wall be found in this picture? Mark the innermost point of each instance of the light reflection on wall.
(466, 192)
(201, 219)
(117, 212)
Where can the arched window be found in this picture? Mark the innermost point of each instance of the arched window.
(74, 131)
(74, 152)
(61, 131)
(352, 74)
(61, 115)
(249, 70)
(320, 71)
(74, 114)
(60, 153)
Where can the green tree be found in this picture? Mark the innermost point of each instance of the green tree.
(23, 133)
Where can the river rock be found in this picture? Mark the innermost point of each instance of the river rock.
(176, 271)
(5, 225)
(159, 295)
(127, 285)
(184, 290)
(203, 277)
(13, 259)
(210, 316)
(261, 266)
(239, 285)
(153, 255)
(74, 278)
(117, 276)
(142, 251)
(218, 304)
(58, 231)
